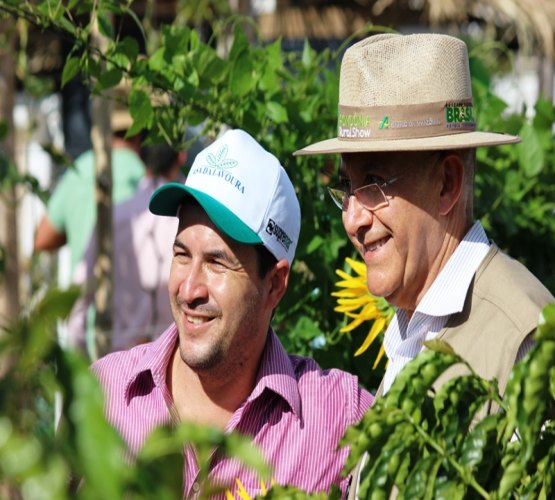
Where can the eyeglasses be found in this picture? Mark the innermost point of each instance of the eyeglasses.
(370, 196)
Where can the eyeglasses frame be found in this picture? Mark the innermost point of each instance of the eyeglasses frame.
(344, 206)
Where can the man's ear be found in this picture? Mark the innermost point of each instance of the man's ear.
(453, 172)
(278, 278)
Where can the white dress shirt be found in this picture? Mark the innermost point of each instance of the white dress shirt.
(404, 339)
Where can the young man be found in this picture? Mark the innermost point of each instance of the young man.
(220, 363)
(407, 138)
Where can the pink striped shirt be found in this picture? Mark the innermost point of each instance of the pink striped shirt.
(296, 414)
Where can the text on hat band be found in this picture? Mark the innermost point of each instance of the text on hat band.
(405, 121)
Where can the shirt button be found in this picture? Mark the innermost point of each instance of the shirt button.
(196, 487)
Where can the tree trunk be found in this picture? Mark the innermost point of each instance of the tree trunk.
(101, 136)
(546, 76)
(9, 277)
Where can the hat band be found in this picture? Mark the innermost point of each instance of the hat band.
(367, 123)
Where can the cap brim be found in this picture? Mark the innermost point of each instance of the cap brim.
(452, 141)
(167, 199)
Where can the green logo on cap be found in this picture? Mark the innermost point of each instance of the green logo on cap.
(219, 160)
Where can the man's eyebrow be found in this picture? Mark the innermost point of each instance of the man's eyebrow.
(179, 244)
(216, 254)
(220, 255)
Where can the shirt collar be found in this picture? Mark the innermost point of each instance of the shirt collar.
(154, 361)
(276, 372)
(448, 291)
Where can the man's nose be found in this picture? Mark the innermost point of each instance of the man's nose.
(194, 286)
(356, 217)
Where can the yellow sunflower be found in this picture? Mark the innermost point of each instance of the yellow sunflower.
(243, 494)
(356, 302)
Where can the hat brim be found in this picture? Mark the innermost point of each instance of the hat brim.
(167, 200)
(452, 141)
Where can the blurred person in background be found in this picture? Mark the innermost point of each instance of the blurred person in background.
(71, 210)
(142, 257)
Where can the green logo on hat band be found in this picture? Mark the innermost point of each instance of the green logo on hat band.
(459, 113)
(219, 160)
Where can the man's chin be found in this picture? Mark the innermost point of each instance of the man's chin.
(200, 362)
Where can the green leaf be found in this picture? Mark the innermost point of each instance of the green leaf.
(105, 24)
(420, 483)
(241, 76)
(240, 44)
(276, 112)
(57, 156)
(210, 67)
(457, 403)
(481, 451)
(425, 368)
(530, 153)
(157, 61)
(438, 345)
(512, 475)
(449, 489)
(141, 111)
(309, 55)
(546, 324)
(316, 242)
(108, 79)
(104, 471)
(544, 116)
(270, 80)
(71, 69)
(129, 47)
(92, 66)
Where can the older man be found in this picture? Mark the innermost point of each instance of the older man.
(220, 363)
(407, 138)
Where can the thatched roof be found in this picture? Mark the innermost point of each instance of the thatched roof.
(531, 23)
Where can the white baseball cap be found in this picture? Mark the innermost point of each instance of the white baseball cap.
(245, 192)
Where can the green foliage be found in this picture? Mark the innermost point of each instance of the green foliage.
(425, 445)
(85, 458)
(515, 185)
(10, 176)
(287, 100)
(431, 443)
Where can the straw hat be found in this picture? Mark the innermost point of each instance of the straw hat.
(121, 119)
(406, 93)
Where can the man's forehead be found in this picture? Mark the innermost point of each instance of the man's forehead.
(382, 162)
(369, 162)
(191, 213)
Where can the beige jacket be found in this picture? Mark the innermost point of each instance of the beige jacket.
(502, 308)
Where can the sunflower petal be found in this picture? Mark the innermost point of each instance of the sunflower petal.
(377, 327)
(241, 491)
(370, 311)
(343, 274)
(351, 284)
(352, 325)
(361, 301)
(345, 293)
(356, 266)
(378, 357)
